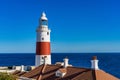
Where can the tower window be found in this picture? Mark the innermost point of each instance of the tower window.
(44, 22)
(47, 33)
(42, 38)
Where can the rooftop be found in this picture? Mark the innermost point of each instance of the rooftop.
(47, 72)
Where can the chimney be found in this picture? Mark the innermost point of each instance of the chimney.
(66, 62)
(94, 63)
(22, 68)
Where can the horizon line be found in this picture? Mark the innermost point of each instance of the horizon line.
(59, 52)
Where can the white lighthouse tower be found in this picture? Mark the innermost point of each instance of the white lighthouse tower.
(43, 54)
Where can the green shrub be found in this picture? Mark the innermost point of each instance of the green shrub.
(5, 76)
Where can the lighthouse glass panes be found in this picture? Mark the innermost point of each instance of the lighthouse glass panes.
(44, 22)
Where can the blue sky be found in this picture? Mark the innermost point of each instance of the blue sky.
(76, 25)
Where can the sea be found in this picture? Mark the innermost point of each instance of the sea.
(109, 62)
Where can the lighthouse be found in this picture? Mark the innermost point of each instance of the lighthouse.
(43, 54)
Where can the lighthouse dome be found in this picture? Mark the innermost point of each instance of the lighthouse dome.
(43, 16)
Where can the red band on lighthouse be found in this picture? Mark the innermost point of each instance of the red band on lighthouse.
(43, 48)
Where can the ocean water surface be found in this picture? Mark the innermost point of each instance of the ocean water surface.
(108, 62)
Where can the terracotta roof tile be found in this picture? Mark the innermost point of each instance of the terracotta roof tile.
(73, 73)
(18, 73)
(33, 73)
(87, 75)
(101, 75)
(63, 70)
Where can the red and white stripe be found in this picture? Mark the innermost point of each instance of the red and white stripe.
(43, 45)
